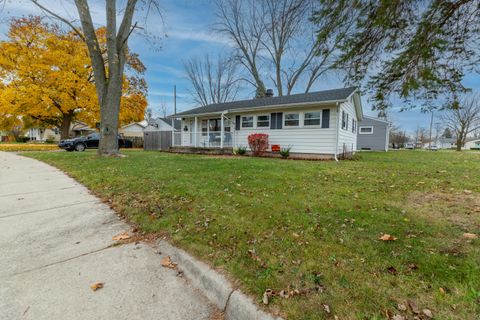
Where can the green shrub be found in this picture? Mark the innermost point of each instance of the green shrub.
(241, 150)
(285, 152)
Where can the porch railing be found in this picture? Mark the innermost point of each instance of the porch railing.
(209, 139)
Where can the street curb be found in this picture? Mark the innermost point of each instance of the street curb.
(214, 286)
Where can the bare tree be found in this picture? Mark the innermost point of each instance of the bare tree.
(212, 82)
(108, 67)
(463, 119)
(242, 22)
(278, 35)
(397, 137)
(163, 109)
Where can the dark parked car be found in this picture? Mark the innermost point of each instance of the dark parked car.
(89, 142)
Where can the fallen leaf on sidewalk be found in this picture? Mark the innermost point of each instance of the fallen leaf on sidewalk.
(121, 236)
(387, 237)
(97, 285)
(167, 263)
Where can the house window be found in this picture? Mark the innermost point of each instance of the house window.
(311, 119)
(291, 119)
(263, 121)
(366, 130)
(247, 121)
(354, 125)
(344, 121)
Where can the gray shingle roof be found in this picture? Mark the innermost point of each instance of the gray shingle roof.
(319, 96)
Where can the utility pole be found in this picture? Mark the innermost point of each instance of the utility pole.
(430, 139)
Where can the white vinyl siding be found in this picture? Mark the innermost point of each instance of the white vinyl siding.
(347, 138)
(303, 139)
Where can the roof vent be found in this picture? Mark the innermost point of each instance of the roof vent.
(269, 93)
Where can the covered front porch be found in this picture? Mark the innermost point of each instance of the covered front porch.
(211, 132)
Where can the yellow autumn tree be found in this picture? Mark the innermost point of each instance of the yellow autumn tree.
(46, 76)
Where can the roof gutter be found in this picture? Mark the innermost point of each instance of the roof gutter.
(241, 110)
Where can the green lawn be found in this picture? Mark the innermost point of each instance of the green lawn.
(311, 226)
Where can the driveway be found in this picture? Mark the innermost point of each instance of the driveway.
(56, 240)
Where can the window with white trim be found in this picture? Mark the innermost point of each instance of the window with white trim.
(344, 121)
(263, 121)
(247, 121)
(291, 119)
(311, 119)
(365, 130)
(354, 125)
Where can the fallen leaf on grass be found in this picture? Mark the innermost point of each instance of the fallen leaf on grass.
(398, 317)
(467, 191)
(121, 236)
(392, 270)
(412, 266)
(97, 285)
(387, 237)
(167, 263)
(470, 235)
(326, 307)
(268, 293)
(427, 313)
(402, 307)
(255, 257)
(413, 306)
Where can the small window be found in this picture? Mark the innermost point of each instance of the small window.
(291, 119)
(366, 130)
(311, 119)
(344, 122)
(247, 122)
(354, 125)
(263, 121)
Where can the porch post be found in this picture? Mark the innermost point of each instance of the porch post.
(221, 132)
(173, 132)
(195, 137)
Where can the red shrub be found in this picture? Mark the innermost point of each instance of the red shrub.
(258, 143)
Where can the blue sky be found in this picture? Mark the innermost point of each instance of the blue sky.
(185, 31)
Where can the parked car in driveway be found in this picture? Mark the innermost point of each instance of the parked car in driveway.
(89, 142)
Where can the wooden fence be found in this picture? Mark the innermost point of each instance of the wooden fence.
(157, 140)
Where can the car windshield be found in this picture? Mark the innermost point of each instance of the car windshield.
(93, 136)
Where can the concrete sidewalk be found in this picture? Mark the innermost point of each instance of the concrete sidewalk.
(55, 241)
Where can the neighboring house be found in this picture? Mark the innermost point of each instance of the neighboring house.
(473, 144)
(319, 123)
(134, 129)
(373, 134)
(43, 134)
(77, 128)
(163, 124)
(445, 143)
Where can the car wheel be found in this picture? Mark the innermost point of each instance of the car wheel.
(80, 147)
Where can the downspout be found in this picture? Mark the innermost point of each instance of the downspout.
(337, 133)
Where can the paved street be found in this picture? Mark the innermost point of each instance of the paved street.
(55, 241)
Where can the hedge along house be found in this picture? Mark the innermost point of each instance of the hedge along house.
(322, 123)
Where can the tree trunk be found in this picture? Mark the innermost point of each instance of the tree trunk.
(459, 144)
(65, 126)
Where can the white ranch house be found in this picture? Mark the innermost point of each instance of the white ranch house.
(322, 123)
